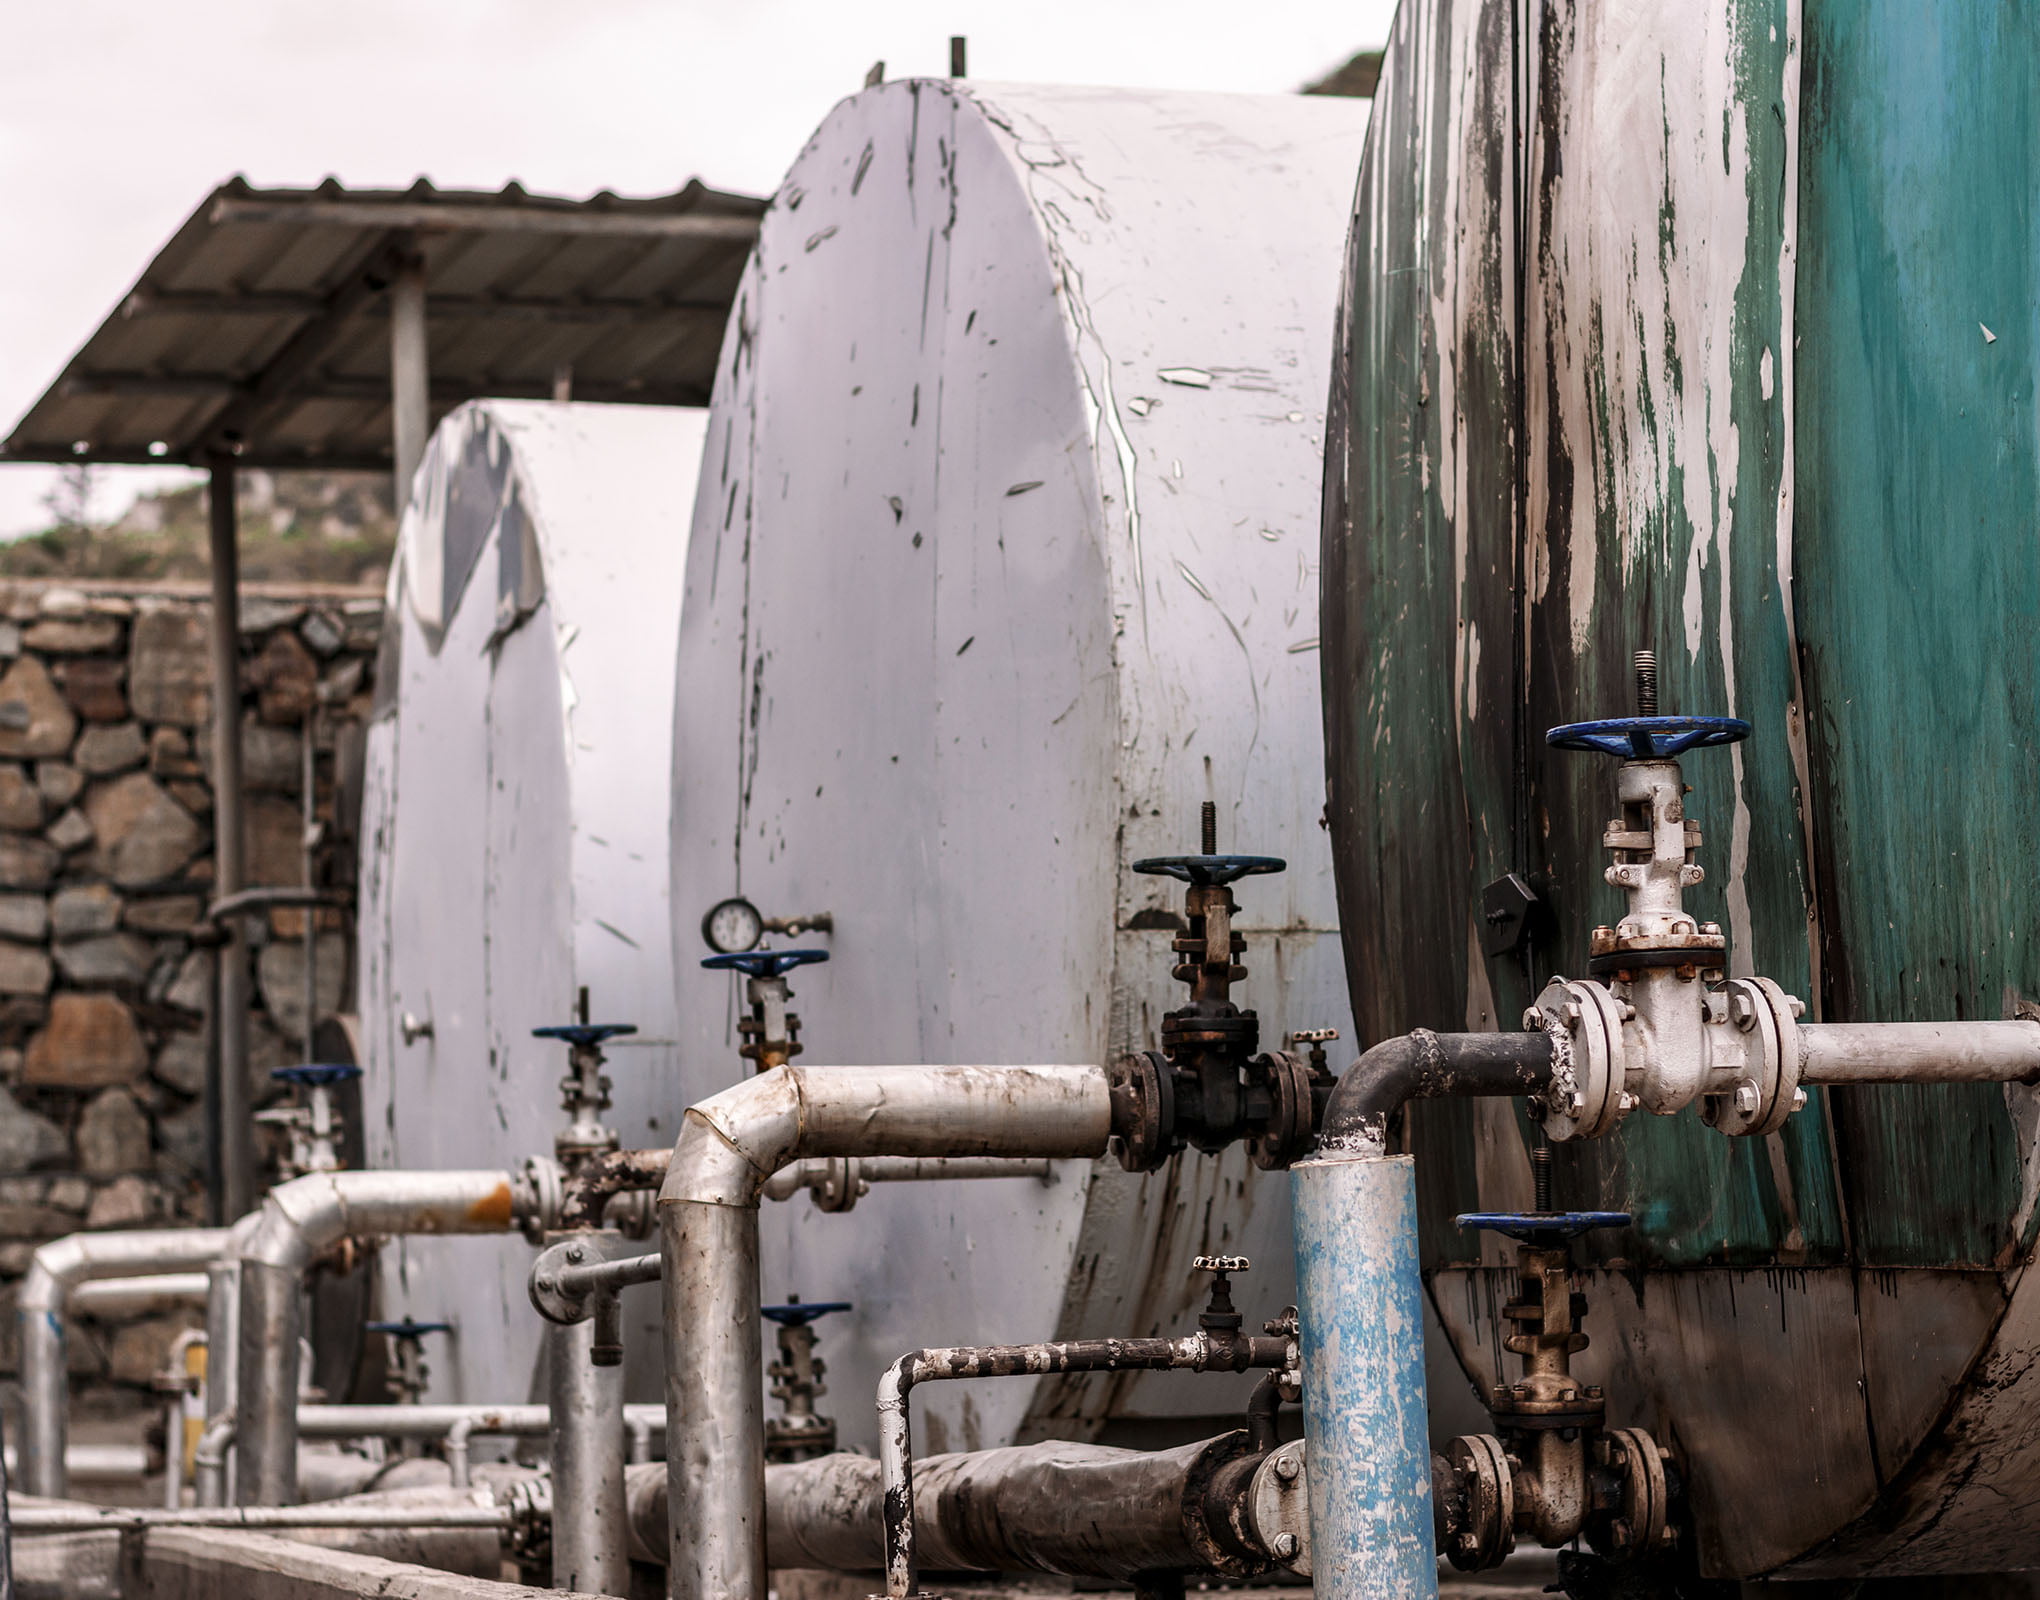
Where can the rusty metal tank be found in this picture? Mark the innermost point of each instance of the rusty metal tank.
(1712, 329)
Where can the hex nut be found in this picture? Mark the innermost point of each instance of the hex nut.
(1747, 1099)
(1285, 1546)
(1798, 1099)
(1742, 1011)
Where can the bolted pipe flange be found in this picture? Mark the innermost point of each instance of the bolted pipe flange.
(1487, 1490)
(1584, 1021)
(538, 1197)
(1768, 1093)
(1641, 1528)
(1290, 1130)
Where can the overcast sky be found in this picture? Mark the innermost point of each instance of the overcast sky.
(118, 116)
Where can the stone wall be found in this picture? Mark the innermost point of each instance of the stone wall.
(106, 967)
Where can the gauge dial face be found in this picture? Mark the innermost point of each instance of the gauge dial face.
(732, 925)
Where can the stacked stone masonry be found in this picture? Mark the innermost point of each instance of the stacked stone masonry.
(106, 968)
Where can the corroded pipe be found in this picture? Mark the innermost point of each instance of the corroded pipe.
(1421, 1065)
(296, 1222)
(730, 1146)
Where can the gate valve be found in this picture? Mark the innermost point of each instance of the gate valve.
(584, 1091)
(798, 1433)
(771, 1033)
(1644, 1030)
(312, 1125)
(1206, 1086)
(1550, 1470)
(410, 1376)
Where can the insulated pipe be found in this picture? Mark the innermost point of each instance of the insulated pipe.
(1200, 1352)
(588, 1555)
(730, 1145)
(43, 1305)
(1919, 1052)
(133, 1297)
(297, 1221)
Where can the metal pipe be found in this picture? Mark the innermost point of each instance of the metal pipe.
(435, 1421)
(87, 1519)
(297, 1221)
(209, 1461)
(410, 375)
(588, 1555)
(1421, 1065)
(1360, 1318)
(222, 1352)
(43, 1307)
(730, 1145)
(1200, 1352)
(1919, 1052)
(819, 1173)
(134, 1297)
(594, 1278)
(233, 1134)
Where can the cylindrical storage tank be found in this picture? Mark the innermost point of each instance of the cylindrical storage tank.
(1003, 563)
(514, 828)
(1711, 330)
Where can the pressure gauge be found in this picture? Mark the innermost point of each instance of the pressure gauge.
(732, 925)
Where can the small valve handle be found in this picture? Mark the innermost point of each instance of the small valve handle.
(317, 1074)
(583, 1034)
(1648, 738)
(765, 963)
(407, 1328)
(1542, 1227)
(799, 1313)
(1209, 872)
(1221, 1265)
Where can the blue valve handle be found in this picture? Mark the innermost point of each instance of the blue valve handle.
(317, 1074)
(1648, 738)
(765, 963)
(1208, 872)
(583, 1034)
(1543, 1227)
(801, 1312)
(407, 1329)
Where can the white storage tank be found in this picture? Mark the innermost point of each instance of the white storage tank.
(514, 831)
(1004, 560)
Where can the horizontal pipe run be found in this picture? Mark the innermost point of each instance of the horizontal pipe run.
(98, 1463)
(82, 1519)
(729, 1148)
(608, 1277)
(820, 1173)
(1919, 1052)
(132, 1297)
(43, 1308)
(1200, 1352)
(1422, 1065)
(435, 1421)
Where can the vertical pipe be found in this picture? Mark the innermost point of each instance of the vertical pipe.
(222, 1354)
(308, 816)
(265, 1429)
(715, 1406)
(410, 376)
(232, 1154)
(1360, 1313)
(586, 1426)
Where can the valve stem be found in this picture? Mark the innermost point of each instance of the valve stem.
(1646, 683)
(1209, 831)
(1540, 1170)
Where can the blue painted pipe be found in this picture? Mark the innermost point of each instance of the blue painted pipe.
(1365, 1423)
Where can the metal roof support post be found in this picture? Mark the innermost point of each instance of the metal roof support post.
(233, 1159)
(410, 375)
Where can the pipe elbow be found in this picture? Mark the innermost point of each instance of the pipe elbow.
(1425, 1065)
(52, 1270)
(309, 1214)
(732, 1143)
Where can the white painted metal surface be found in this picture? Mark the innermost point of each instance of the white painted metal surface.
(515, 829)
(1004, 559)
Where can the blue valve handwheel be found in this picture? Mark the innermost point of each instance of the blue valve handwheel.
(584, 1033)
(1543, 1227)
(407, 1329)
(1207, 872)
(801, 1312)
(764, 963)
(1648, 738)
(317, 1074)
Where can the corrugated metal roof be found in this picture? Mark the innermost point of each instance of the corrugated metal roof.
(262, 327)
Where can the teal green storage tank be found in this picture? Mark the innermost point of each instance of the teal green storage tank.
(1712, 329)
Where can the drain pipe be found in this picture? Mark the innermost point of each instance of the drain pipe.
(296, 1222)
(730, 1146)
(54, 1270)
(1360, 1309)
